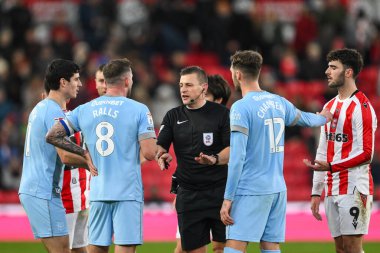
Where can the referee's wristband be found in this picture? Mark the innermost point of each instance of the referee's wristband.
(216, 159)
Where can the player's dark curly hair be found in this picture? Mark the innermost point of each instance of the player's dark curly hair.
(350, 58)
(249, 62)
(58, 69)
(219, 88)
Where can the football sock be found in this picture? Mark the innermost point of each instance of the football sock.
(270, 251)
(231, 250)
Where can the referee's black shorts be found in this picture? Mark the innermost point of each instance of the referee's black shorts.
(198, 214)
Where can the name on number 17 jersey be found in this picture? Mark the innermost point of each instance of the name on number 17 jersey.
(262, 116)
(112, 128)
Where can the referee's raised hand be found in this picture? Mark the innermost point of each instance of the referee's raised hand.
(206, 159)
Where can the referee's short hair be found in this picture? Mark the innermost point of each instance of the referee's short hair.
(202, 77)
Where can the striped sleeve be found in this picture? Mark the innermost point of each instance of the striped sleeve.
(364, 122)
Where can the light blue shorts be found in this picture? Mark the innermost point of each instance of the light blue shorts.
(258, 218)
(47, 217)
(122, 219)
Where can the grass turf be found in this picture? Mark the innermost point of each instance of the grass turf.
(167, 247)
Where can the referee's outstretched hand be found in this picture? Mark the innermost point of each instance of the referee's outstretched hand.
(205, 159)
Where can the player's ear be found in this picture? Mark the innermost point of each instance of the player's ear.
(349, 72)
(238, 75)
(62, 82)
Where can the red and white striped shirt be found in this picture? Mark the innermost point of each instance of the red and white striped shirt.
(347, 143)
(76, 185)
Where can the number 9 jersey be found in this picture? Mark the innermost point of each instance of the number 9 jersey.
(112, 128)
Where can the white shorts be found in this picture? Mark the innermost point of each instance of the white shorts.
(348, 214)
(77, 224)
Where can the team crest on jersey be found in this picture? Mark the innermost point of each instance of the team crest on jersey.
(208, 139)
(74, 180)
(365, 104)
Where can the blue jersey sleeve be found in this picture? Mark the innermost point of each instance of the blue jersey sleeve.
(146, 125)
(239, 118)
(235, 166)
(295, 116)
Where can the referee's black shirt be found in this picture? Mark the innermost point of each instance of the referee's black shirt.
(207, 130)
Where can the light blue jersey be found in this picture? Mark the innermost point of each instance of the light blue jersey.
(42, 167)
(112, 128)
(258, 123)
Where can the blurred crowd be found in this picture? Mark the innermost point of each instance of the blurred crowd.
(162, 36)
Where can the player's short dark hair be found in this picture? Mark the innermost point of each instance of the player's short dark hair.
(101, 67)
(219, 88)
(56, 70)
(350, 58)
(249, 62)
(115, 70)
(202, 77)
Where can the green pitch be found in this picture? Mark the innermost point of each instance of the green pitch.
(167, 247)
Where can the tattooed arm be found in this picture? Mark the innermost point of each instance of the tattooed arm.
(57, 136)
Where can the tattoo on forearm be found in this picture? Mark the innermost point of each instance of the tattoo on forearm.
(57, 137)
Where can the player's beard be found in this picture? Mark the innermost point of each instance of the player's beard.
(339, 81)
(236, 82)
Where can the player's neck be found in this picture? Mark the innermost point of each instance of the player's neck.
(346, 90)
(250, 87)
(58, 98)
(116, 91)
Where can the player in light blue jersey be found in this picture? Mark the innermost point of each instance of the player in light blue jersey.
(254, 204)
(41, 184)
(115, 128)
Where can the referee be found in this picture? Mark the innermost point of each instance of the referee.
(200, 133)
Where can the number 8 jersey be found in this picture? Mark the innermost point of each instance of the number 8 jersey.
(112, 128)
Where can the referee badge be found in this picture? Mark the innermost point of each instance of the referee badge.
(208, 139)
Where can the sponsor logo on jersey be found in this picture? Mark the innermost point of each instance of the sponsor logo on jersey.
(208, 139)
(180, 122)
